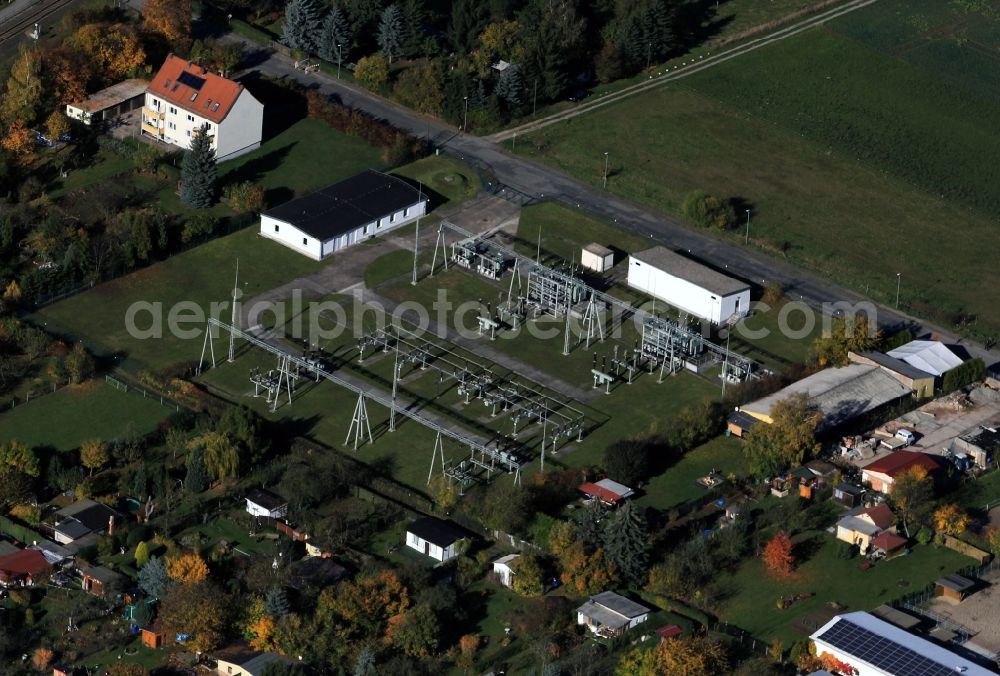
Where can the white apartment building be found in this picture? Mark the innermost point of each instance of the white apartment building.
(183, 96)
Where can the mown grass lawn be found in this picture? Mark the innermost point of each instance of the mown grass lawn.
(64, 419)
(677, 484)
(747, 597)
(858, 159)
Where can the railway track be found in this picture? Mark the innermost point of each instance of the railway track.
(26, 18)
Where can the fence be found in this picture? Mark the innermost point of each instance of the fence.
(32, 395)
(19, 531)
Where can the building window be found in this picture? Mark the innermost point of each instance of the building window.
(364, 230)
(190, 118)
(406, 212)
(173, 111)
(276, 228)
(392, 218)
(305, 241)
(737, 304)
(189, 133)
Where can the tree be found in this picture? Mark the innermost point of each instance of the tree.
(390, 32)
(468, 18)
(57, 125)
(412, 21)
(709, 211)
(220, 455)
(627, 461)
(416, 633)
(786, 441)
(141, 554)
(691, 656)
(41, 658)
(66, 73)
(993, 538)
(198, 610)
(246, 197)
(94, 454)
(303, 25)
(419, 87)
(79, 364)
(911, 496)
(153, 577)
(467, 645)
(625, 541)
(444, 491)
(847, 334)
(195, 477)
(188, 568)
(587, 573)
(528, 575)
(130, 669)
(500, 40)
(19, 142)
(510, 87)
(610, 62)
(261, 633)
(199, 171)
(169, 18)
(18, 456)
(335, 38)
(778, 556)
(25, 89)
(364, 665)
(553, 41)
(276, 603)
(951, 519)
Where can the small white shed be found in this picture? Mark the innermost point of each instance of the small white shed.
(502, 567)
(597, 258)
(434, 538)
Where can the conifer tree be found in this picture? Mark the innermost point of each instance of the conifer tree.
(390, 32)
(153, 577)
(196, 477)
(276, 603)
(303, 25)
(198, 171)
(336, 31)
(625, 543)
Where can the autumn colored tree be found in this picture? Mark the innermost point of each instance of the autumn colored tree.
(19, 142)
(372, 72)
(361, 609)
(809, 663)
(587, 573)
(188, 568)
(262, 634)
(199, 610)
(691, 656)
(499, 40)
(444, 491)
(111, 51)
(561, 537)
(127, 669)
(951, 519)
(786, 441)
(912, 493)
(94, 454)
(12, 293)
(416, 631)
(79, 364)
(467, 646)
(67, 74)
(419, 87)
(25, 89)
(41, 658)
(57, 125)
(169, 18)
(777, 555)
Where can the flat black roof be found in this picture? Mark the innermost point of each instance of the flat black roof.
(348, 205)
(435, 531)
(265, 498)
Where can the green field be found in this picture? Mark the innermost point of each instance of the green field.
(677, 485)
(64, 419)
(747, 598)
(855, 145)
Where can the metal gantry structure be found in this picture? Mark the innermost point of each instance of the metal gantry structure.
(523, 401)
(493, 456)
(666, 344)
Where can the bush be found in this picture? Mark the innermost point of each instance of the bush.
(969, 372)
(246, 196)
(925, 535)
(709, 211)
(846, 550)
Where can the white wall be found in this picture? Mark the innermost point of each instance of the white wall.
(293, 238)
(684, 295)
(77, 114)
(504, 572)
(242, 129)
(257, 510)
(432, 550)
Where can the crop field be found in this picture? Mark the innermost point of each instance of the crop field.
(864, 149)
(61, 421)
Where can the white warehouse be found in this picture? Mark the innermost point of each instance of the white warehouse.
(358, 208)
(687, 285)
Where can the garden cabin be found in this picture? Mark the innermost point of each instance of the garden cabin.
(434, 538)
(609, 614)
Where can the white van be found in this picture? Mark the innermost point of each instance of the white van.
(906, 436)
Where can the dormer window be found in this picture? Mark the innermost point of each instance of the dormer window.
(194, 96)
(208, 103)
(166, 84)
(176, 85)
(215, 107)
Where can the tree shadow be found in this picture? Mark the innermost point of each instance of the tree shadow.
(255, 169)
(700, 17)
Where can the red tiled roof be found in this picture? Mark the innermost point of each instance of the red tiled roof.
(888, 541)
(178, 80)
(670, 631)
(898, 462)
(24, 562)
(600, 492)
(880, 515)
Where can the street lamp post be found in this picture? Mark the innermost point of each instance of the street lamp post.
(465, 121)
(340, 58)
(746, 240)
(897, 289)
(605, 169)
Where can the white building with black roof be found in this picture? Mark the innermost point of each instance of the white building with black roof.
(435, 538)
(263, 503)
(358, 208)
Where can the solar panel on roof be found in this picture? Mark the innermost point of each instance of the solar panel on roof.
(191, 80)
(881, 652)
